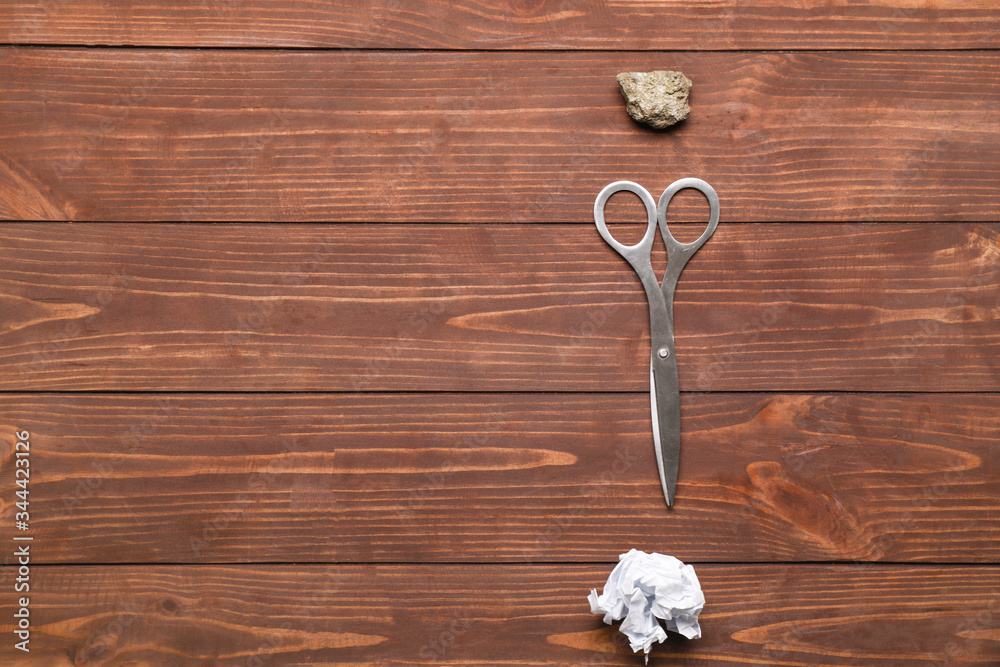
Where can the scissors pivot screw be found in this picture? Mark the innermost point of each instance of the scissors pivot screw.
(663, 352)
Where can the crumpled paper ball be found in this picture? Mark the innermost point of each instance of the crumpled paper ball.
(644, 588)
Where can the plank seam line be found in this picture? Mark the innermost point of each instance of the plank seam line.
(387, 49)
(509, 224)
(835, 563)
(487, 392)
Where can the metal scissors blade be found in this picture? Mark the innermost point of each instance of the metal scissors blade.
(664, 389)
(666, 418)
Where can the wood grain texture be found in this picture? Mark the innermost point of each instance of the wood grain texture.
(889, 307)
(221, 616)
(507, 24)
(501, 477)
(138, 135)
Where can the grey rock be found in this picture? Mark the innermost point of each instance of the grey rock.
(659, 99)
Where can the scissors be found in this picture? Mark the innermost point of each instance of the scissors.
(664, 390)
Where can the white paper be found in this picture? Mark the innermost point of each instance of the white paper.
(645, 587)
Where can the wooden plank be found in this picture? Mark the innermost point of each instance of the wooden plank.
(501, 477)
(791, 615)
(206, 307)
(510, 24)
(492, 137)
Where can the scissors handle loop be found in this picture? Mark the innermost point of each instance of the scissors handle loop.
(673, 245)
(637, 255)
(678, 253)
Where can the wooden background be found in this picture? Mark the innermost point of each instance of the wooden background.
(333, 368)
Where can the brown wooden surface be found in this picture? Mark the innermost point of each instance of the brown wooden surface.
(407, 442)
(526, 307)
(105, 134)
(506, 477)
(223, 615)
(509, 24)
